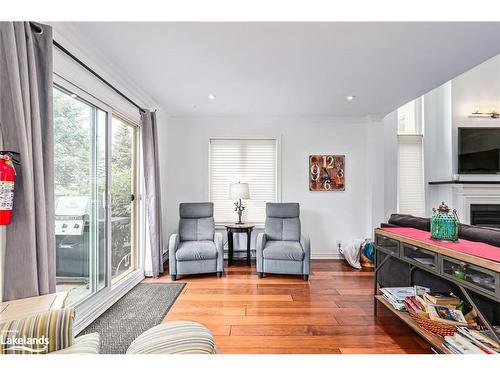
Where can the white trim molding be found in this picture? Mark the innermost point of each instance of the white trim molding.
(329, 255)
(464, 195)
(91, 309)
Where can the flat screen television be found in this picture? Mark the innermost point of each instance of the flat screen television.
(479, 150)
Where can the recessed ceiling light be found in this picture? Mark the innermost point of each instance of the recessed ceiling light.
(211, 97)
(350, 97)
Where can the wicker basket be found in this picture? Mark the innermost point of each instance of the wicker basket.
(432, 326)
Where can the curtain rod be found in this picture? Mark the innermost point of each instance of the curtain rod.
(89, 69)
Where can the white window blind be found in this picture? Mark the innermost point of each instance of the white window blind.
(411, 194)
(253, 161)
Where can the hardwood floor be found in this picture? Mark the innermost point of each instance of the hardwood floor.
(332, 313)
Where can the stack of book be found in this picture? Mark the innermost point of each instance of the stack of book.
(472, 341)
(443, 299)
(438, 313)
(445, 308)
(396, 296)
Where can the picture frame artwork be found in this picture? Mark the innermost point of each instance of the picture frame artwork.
(326, 172)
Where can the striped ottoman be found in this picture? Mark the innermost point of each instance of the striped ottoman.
(177, 337)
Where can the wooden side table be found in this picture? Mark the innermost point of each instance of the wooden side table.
(21, 308)
(238, 228)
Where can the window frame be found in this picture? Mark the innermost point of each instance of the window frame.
(277, 141)
(421, 141)
(419, 133)
(418, 116)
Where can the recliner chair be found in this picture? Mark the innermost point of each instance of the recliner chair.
(197, 248)
(282, 248)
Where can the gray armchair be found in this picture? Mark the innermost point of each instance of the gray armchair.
(197, 248)
(282, 248)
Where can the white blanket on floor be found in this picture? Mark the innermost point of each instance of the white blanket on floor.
(350, 251)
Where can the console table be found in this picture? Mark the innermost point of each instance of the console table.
(404, 260)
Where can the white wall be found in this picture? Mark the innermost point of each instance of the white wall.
(479, 86)
(326, 216)
(438, 154)
(437, 145)
(447, 108)
(390, 160)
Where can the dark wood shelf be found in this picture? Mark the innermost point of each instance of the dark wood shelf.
(464, 182)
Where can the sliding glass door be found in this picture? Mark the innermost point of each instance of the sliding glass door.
(123, 198)
(80, 159)
(95, 195)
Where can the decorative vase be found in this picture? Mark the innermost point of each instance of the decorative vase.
(444, 224)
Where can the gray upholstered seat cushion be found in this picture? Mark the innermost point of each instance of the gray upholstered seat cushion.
(283, 250)
(196, 250)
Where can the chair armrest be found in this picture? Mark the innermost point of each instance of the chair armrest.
(305, 242)
(260, 244)
(219, 245)
(175, 337)
(55, 326)
(173, 244)
(86, 344)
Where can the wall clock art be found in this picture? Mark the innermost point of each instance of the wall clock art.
(326, 172)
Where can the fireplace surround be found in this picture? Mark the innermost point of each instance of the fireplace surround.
(484, 198)
(485, 215)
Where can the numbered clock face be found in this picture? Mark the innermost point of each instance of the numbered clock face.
(326, 172)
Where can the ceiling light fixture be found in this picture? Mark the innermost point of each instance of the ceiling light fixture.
(350, 97)
(211, 97)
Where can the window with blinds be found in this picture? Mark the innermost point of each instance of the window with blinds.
(253, 161)
(411, 194)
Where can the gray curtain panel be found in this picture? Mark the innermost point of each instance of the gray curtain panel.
(26, 126)
(152, 185)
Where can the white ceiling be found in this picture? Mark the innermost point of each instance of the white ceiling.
(291, 69)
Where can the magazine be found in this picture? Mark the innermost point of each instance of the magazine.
(445, 315)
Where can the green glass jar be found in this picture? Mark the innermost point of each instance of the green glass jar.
(444, 224)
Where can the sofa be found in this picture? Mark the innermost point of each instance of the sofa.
(51, 332)
(475, 233)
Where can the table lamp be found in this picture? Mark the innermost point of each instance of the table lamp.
(239, 191)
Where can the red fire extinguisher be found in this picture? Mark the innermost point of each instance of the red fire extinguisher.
(7, 178)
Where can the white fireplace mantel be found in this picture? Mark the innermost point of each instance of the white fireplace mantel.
(464, 195)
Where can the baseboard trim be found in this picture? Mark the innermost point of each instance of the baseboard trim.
(241, 254)
(88, 311)
(326, 256)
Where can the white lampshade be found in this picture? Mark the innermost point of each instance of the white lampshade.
(239, 191)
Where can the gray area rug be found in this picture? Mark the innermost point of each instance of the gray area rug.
(140, 309)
